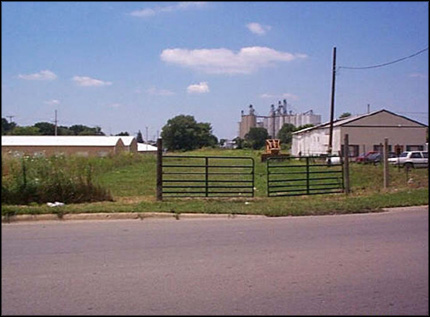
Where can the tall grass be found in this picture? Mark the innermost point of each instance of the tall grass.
(28, 180)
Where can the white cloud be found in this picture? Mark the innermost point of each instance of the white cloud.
(52, 102)
(279, 96)
(200, 88)
(143, 13)
(115, 105)
(224, 61)
(147, 12)
(159, 92)
(89, 82)
(42, 75)
(418, 75)
(257, 28)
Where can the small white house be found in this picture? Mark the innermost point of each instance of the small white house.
(365, 132)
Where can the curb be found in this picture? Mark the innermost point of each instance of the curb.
(121, 216)
(147, 215)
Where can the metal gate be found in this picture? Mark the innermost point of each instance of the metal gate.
(205, 176)
(294, 176)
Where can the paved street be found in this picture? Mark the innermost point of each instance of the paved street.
(364, 264)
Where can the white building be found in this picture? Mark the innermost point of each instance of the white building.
(146, 148)
(366, 133)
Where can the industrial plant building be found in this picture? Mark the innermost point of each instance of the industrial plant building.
(275, 120)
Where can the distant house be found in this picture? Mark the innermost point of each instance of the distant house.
(130, 143)
(146, 148)
(229, 144)
(68, 145)
(365, 132)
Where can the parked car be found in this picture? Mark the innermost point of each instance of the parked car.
(410, 159)
(362, 157)
(376, 158)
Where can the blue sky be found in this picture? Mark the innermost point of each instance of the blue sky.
(130, 66)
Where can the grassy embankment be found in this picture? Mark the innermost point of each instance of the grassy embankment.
(130, 183)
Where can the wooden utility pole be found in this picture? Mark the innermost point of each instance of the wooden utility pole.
(55, 122)
(330, 140)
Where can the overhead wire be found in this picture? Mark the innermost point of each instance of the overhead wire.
(385, 64)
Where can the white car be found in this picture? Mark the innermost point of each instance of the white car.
(410, 159)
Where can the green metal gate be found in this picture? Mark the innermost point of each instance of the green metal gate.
(205, 176)
(294, 176)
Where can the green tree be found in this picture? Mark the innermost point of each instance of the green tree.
(205, 136)
(285, 133)
(139, 137)
(184, 133)
(122, 134)
(239, 142)
(7, 127)
(27, 130)
(45, 128)
(256, 137)
(344, 115)
(305, 126)
(79, 129)
(62, 130)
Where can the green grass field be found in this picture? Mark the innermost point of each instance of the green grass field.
(133, 188)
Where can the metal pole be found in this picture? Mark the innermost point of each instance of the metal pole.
(307, 176)
(267, 176)
(330, 141)
(385, 159)
(253, 180)
(346, 162)
(159, 169)
(207, 176)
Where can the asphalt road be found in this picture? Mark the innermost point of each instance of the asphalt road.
(365, 264)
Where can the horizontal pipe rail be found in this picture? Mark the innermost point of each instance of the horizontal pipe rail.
(207, 176)
(303, 176)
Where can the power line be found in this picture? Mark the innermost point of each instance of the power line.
(385, 64)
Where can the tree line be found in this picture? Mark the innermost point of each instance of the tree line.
(47, 128)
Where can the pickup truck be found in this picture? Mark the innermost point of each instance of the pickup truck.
(410, 159)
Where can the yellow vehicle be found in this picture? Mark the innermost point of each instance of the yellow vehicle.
(273, 148)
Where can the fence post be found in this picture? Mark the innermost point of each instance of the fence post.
(385, 158)
(159, 169)
(307, 176)
(346, 163)
(206, 176)
(253, 177)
